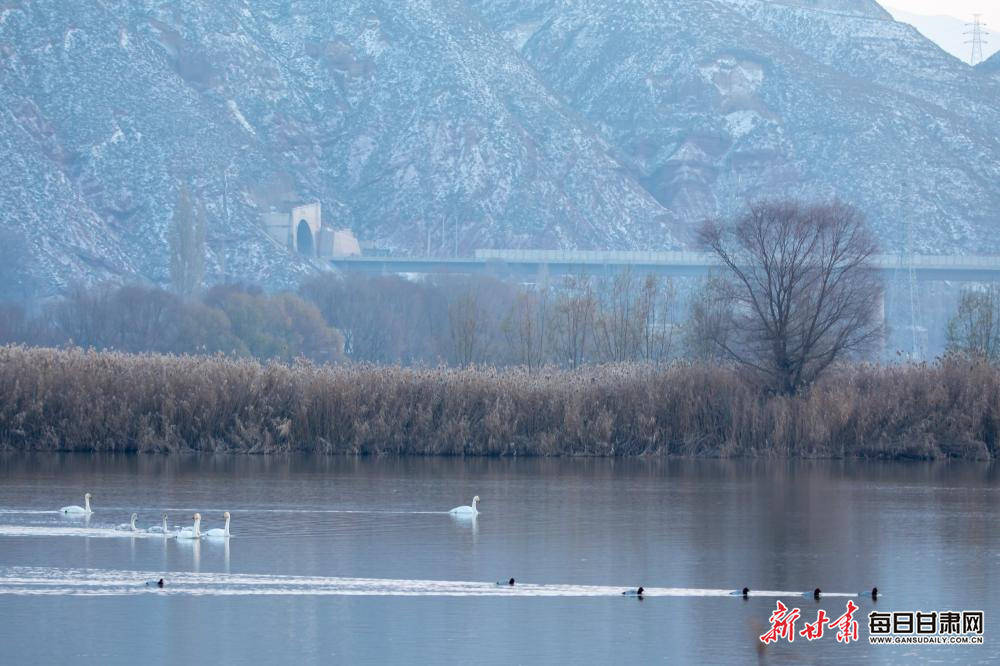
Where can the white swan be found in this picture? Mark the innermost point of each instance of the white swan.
(79, 509)
(467, 510)
(193, 532)
(129, 526)
(157, 529)
(220, 532)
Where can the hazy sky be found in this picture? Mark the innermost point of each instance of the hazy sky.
(961, 9)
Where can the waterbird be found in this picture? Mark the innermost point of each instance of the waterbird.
(193, 532)
(746, 592)
(874, 594)
(157, 583)
(816, 594)
(79, 509)
(129, 526)
(220, 532)
(157, 529)
(509, 582)
(472, 510)
(634, 593)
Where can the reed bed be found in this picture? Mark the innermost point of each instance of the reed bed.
(80, 400)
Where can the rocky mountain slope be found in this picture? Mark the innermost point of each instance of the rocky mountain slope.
(414, 123)
(714, 103)
(450, 125)
(991, 66)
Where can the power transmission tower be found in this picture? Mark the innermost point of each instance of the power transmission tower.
(977, 38)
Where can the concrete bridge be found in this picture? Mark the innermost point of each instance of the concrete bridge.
(554, 263)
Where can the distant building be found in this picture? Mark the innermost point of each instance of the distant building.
(302, 230)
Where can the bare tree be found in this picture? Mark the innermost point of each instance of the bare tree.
(468, 326)
(975, 328)
(656, 331)
(187, 245)
(708, 327)
(526, 327)
(802, 286)
(15, 261)
(573, 320)
(616, 335)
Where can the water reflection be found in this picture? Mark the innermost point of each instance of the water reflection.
(194, 546)
(925, 534)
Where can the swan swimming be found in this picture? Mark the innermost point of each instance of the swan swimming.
(193, 532)
(79, 509)
(129, 526)
(158, 529)
(220, 532)
(472, 510)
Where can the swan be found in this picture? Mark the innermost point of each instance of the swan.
(158, 529)
(218, 532)
(193, 532)
(79, 509)
(634, 593)
(472, 510)
(129, 526)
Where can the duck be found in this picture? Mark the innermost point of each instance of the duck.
(816, 593)
(193, 532)
(160, 529)
(745, 592)
(472, 510)
(79, 509)
(874, 594)
(156, 583)
(634, 593)
(219, 532)
(508, 582)
(129, 526)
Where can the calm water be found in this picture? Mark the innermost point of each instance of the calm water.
(356, 561)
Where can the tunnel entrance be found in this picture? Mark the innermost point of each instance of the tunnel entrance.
(304, 239)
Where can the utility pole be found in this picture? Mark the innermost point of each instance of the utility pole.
(977, 38)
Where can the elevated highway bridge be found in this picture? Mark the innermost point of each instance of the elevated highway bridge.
(539, 264)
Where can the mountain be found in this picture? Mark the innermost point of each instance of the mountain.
(415, 124)
(715, 103)
(991, 66)
(450, 125)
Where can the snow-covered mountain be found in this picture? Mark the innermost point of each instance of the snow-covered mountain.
(715, 103)
(449, 124)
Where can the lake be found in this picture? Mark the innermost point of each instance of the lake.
(344, 560)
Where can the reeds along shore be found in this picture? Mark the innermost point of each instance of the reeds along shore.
(77, 400)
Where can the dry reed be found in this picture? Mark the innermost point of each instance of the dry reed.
(78, 400)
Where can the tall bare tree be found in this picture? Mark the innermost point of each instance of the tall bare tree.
(803, 289)
(573, 320)
(708, 327)
(975, 328)
(187, 244)
(526, 327)
(656, 331)
(14, 263)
